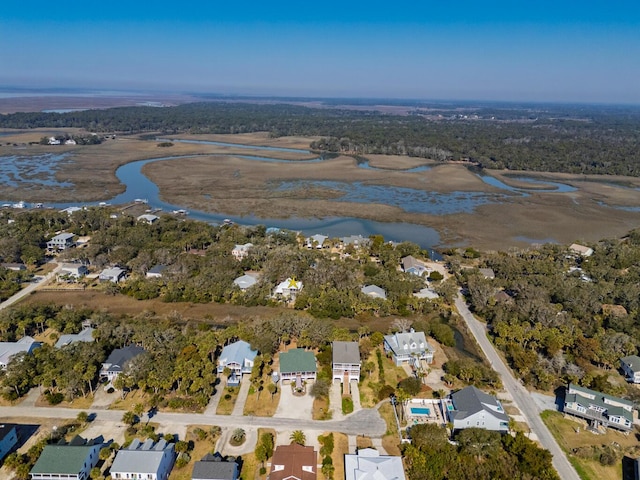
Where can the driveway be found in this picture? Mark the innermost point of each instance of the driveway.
(238, 408)
(291, 406)
(335, 400)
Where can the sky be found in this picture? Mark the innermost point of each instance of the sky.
(561, 51)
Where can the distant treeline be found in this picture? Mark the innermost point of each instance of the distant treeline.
(560, 139)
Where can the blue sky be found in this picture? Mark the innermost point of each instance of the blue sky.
(567, 51)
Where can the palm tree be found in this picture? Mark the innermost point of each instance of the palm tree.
(297, 436)
(238, 436)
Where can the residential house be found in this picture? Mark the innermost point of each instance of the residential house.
(72, 461)
(288, 289)
(53, 141)
(156, 271)
(113, 274)
(16, 267)
(118, 361)
(70, 141)
(148, 218)
(487, 273)
(472, 408)
(148, 461)
(62, 241)
(241, 251)
(316, 241)
(355, 240)
(297, 364)
(412, 265)
(427, 292)
(238, 357)
(368, 464)
(374, 291)
(8, 438)
(581, 249)
(215, 467)
(86, 335)
(73, 270)
(631, 367)
(245, 281)
(346, 361)
(294, 462)
(9, 349)
(70, 210)
(409, 348)
(598, 408)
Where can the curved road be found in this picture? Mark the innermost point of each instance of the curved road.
(522, 398)
(30, 288)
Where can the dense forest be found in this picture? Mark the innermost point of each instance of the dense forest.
(561, 317)
(559, 139)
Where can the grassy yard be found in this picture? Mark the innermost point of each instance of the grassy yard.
(340, 448)
(321, 410)
(370, 386)
(228, 400)
(390, 441)
(130, 400)
(583, 448)
(82, 403)
(201, 446)
(265, 406)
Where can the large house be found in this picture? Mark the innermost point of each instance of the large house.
(368, 464)
(62, 241)
(410, 264)
(631, 367)
(148, 461)
(316, 241)
(598, 408)
(73, 270)
(9, 349)
(118, 361)
(72, 461)
(238, 357)
(8, 438)
(294, 462)
(346, 361)
(113, 274)
(472, 408)
(148, 218)
(86, 335)
(409, 348)
(298, 365)
(288, 289)
(215, 467)
(241, 251)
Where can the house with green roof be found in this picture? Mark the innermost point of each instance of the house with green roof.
(72, 461)
(598, 408)
(297, 364)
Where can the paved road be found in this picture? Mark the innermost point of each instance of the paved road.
(30, 288)
(366, 422)
(522, 398)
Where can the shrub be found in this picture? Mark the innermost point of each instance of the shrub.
(347, 405)
(385, 392)
(435, 276)
(53, 398)
(227, 396)
(263, 471)
(411, 385)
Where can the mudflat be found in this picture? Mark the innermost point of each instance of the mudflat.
(216, 179)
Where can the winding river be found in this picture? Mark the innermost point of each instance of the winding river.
(24, 170)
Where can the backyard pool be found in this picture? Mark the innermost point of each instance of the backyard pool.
(420, 411)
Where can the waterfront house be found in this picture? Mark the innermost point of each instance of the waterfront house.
(409, 348)
(298, 365)
(9, 349)
(72, 461)
(472, 408)
(148, 218)
(374, 291)
(368, 464)
(239, 358)
(294, 462)
(631, 367)
(118, 361)
(148, 460)
(62, 241)
(316, 241)
(598, 408)
(346, 361)
(410, 264)
(581, 250)
(241, 251)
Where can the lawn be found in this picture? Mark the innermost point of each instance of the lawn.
(369, 387)
(81, 403)
(390, 441)
(263, 406)
(571, 435)
(228, 400)
(321, 410)
(340, 448)
(130, 400)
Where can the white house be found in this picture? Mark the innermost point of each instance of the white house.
(9, 349)
(72, 461)
(148, 218)
(8, 438)
(472, 408)
(368, 464)
(631, 367)
(53, 141)
(408, 347)
(118, 361)
(62, 241)
(238, 357)
(113, 274)
(581, 249)
(346, 361)
(245, 281)
(410, 264)
(148, 461)
(374, 291)
(241, 251)
(288, 289)
(74, 270)
(316, 241)
(156, 271)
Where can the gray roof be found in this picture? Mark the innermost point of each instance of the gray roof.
(245, 281)
(237, 352)
(141, 457)
(63, 236)
(633, 361)
(6, 429)
(346, 352)
(214, 467)
(368, 464)
(9, 349)
(158, 269)
(121, 356)
(414, 341)
(86, 335)
(586, 393)
(470, 401)
(374, 291)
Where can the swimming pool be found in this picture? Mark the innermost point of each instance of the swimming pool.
(420, 411)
